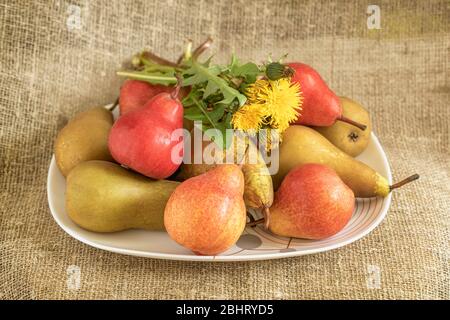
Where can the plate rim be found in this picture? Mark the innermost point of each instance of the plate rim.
(224, 258)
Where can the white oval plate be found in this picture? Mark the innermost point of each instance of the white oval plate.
(254, 244)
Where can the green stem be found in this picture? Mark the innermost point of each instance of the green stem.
(187, 54)
(201, 48)
(145, 77)
(158, 67)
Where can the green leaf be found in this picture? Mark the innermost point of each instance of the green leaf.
(249, 71)
(246, 69)
(217, 113)
(228, 99)
(210, 89)
(194, 114)
(200, 74)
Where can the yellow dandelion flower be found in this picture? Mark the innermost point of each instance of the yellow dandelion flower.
(250, 118)
(257, 92)
(281, 99)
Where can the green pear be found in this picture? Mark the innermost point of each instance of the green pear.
(84, 138)
(302, 145)
(347, 137)
(102, 196)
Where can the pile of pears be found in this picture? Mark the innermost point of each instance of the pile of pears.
(122, 175)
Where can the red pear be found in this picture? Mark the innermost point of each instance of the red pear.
(321, 106)
(135, 94)
(312, 203)
(142, 139)
(206, 213)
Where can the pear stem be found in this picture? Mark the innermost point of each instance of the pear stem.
(404, 181)
(115, 104)
(352, 122)
(176, 91)
(256, 222)
(266, 213)
(265, 219)
(250, 217)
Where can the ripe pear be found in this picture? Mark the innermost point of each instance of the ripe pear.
(206, 213)
(104, 197)
(320, 105)
(302, 145)
(84, 138)
(346, 137)
(258, 191)
(311, 203)
(134, 94)
(142, 140)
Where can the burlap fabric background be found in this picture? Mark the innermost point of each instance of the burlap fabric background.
(51, 69)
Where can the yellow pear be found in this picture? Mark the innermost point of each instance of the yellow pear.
(302, 145)
(84, 138)
(347, 137)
